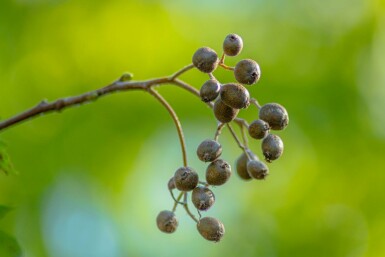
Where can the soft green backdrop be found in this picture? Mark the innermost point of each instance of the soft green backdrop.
(92, 179)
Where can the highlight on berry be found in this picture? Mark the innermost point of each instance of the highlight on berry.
(226, 101)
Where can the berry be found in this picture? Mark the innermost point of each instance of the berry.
(205, 59)
(209, 150)
(232, 45)
(224, 113)
(235, 95)
(218, 172)
(211, 229)
(167, 222)
(274, 114)
(258, 129)
(241, 164)
(186, 179)
(171, 184)
(272, 147)
(202, 198)
(210, 90)
(247, 72)
(257, 169)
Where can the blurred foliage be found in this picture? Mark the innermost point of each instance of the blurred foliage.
(92, 179)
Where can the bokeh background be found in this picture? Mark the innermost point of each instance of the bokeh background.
(92, 179)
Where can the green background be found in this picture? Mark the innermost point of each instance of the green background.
(92, 179)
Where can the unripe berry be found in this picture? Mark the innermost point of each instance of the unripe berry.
(235, 95)
(171, 184)
(167, 222)
(186, 179)
(258, 129)
(272, 147)
(202, 198)
(205, 59)
(210, 90)
(224, 113)
(232, 45)
(257, 169)
(218, 172)
(211, 229)
(274, 114)
(247, 72)
(209, 150)
(241, 164)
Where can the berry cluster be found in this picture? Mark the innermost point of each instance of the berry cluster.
(228, 100)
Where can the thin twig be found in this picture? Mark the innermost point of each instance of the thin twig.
(176, 121)
(225, 66)
(187, 209)
(255, 102)
(244, 133)
(177, 201)
(219, 130)
(173, 197)
(181, 71)
(244, 149)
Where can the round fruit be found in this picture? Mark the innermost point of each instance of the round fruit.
(272, 147)
(224, 113)
(202, 198)
(257, 169)
(210, 90)
(241, 164)
(186, 179)
(235, 96)
(218, 172)
(167, 221)
(258, 129)
(247, 72)
(211, 229)
(274, 114)
(209, 150)
(232, 45)
(205, 59)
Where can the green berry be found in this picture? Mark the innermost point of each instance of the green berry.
(218, 172)
(224, 113)
(211, 229)
(247, 72)
(257, 169)
(235, 96)
(274, 114)
(272, 147)
(171, 184)
(241, 164)
(186, 179)
(209, 150)
(232, 45)
(167, 222)
(205, 59)
(258, 129)
(202, 198)
(210, 90)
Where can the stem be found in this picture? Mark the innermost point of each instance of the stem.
(173, 197)
(187, 209)
(244, 133)
(181, 71)
(238, 141)
(177, 201)
(219, 130)
(255, 102)
(176, 121)
(226, 67)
